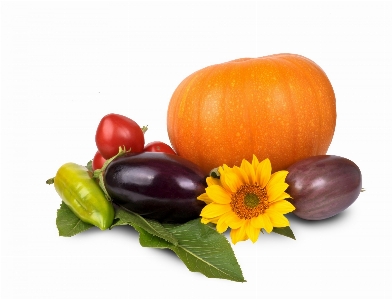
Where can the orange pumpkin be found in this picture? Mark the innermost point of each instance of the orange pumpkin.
(280, 107)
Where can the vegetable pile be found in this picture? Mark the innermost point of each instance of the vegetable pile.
(153, 189)
(279, 107)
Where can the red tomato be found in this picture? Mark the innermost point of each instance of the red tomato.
(116, 130)
(158, 146)
(98, 161)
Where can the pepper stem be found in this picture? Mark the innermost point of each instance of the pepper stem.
(50, 181)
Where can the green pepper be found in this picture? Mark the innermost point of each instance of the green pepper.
(82, 194)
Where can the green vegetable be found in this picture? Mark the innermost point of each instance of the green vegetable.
(82, 194)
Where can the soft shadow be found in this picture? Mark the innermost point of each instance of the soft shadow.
(94, 231)
(130, 231)
(167, 253)
(125, 229)
(339, 218)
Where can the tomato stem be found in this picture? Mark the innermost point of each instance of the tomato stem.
(144, 129)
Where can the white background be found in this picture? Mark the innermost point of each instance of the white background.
(64, 65)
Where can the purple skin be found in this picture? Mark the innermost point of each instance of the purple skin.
(157, 186)
(323, 186)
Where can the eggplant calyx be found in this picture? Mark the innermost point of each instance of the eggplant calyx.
(98, 173)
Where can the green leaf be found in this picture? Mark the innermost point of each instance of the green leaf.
(285, 231)
(89, 166)
(148, 240)
(68, 224)
(199, 246)
(204, 250)
(123, 217)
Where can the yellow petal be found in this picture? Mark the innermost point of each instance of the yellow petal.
(263, 172)
(223, 168)
(214, 210)
(208, 220)
(282, 196)
(218, 194)
(267, 223)
(226, 168)
(278, 220)
(282, 207)
(241, 174)
(255, 162)
(249, 171)
(273, 191)
(204, 197)
(234, 221)
(221, 225)
(238, 235)
(258, 221)
(278, 177)
(230, 181)
(212, 181)
(252, 232)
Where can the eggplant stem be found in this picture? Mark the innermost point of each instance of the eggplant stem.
(98, 173)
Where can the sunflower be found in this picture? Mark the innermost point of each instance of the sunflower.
(247, 199)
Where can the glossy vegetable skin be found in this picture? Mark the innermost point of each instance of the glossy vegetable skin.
(323, 186)
(160, 147)
(114, 131)
(98, 161)
(80, 192)
(158, 186)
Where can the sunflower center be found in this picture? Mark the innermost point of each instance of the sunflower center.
(249, 201)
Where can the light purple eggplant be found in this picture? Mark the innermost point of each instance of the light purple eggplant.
(323, 186)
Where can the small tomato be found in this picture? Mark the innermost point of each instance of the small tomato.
(160, 147)
(116, 131)
(98, 161)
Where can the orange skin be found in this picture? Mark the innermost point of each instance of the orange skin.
(280, 107)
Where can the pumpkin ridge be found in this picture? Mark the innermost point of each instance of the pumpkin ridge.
(293, 113)
(314, 93)
(275, 116)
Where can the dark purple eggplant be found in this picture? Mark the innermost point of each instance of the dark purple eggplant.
(323, 186)
(157, 186)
